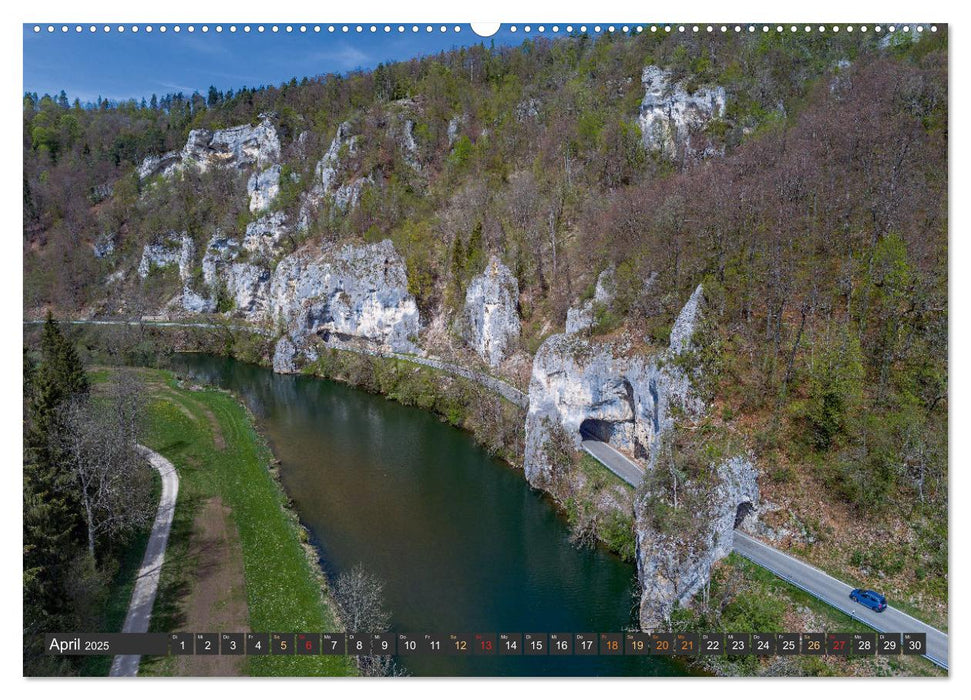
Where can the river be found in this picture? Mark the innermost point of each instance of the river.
(461, 541)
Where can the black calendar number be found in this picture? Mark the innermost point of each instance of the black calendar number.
(888, 644)
(561, 644)
(358, 644)
(787, 643)
(181, 644)
(207, 644)
(333, 643)
(915, 643)
(763, 644)
(738, 644)
(231, 643)
(611, 643)
(257, 643)
(814, 643)
(711, 644)
(585, 644)
(863, 643)
(510, 644)
(535, 644)
(282, 643)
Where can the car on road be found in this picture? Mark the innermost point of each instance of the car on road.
(871, 599)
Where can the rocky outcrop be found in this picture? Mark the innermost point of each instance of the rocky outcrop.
(672, 119)
(171, 249)
(328, 183)
(581, 389)
(163, 165)
(409, 145)
(491, 319)
(262, 188)
(354, 294)
(239, 147)
(242, 286)
(687, 322)
(598, 389)
(263, 236)
(104, 245)
(452, 131)
(673, 564)
(581, 317)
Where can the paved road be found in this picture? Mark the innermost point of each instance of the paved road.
(499, 386)
(836, 593)
(613, 460)
(802, 575)
(159, 324)
(146, 585)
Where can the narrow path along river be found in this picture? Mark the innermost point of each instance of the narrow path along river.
(460, 540)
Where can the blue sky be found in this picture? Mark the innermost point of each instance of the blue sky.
(125, 65)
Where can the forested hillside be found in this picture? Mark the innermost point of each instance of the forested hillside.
(811, 206)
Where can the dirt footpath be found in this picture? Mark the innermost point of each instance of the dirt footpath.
(217, 600)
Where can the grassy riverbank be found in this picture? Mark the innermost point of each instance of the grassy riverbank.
(238, 559)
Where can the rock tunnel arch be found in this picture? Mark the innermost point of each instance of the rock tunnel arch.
(743, 510)
(596, 429)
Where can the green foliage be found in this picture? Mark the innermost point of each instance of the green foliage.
(54, 554)
(283, 590)
(461, 152)
(835, 390)
(495, 423)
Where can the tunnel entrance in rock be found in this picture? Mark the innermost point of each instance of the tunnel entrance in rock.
(742, 512)
(595, 429)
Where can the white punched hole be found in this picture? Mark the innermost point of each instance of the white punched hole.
(485, 29)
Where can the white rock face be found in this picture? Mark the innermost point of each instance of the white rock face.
(684, 326)
(179, 249)
(239, 147)
(246, 285)
(164, 164)
(492, 321)
(326, 170)
(580, 318)
(358, 294)
(673, 566)
(452, 132)
(263, 187)
(104, 245)
(172, 249)
(593, 387)
(328, 182)
(411, 148)
(671, 118)
(264, 235)
(195, 303)
(219, 251)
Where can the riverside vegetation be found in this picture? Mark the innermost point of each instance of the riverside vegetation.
(805, 190)
(232, 520)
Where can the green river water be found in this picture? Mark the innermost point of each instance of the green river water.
(461, 541)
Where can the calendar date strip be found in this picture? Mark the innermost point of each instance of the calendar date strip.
(488, 644)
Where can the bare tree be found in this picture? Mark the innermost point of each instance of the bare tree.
(360, 597)
(98, 443)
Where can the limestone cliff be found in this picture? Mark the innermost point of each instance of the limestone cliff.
(352, 294)
(491, 318)
(240, 147)
(599, 389)
(675, 563)
(585, 389)
(672, 119)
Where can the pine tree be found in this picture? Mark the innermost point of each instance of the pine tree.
(52, 525)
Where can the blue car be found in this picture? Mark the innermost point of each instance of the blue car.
(871, 599)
